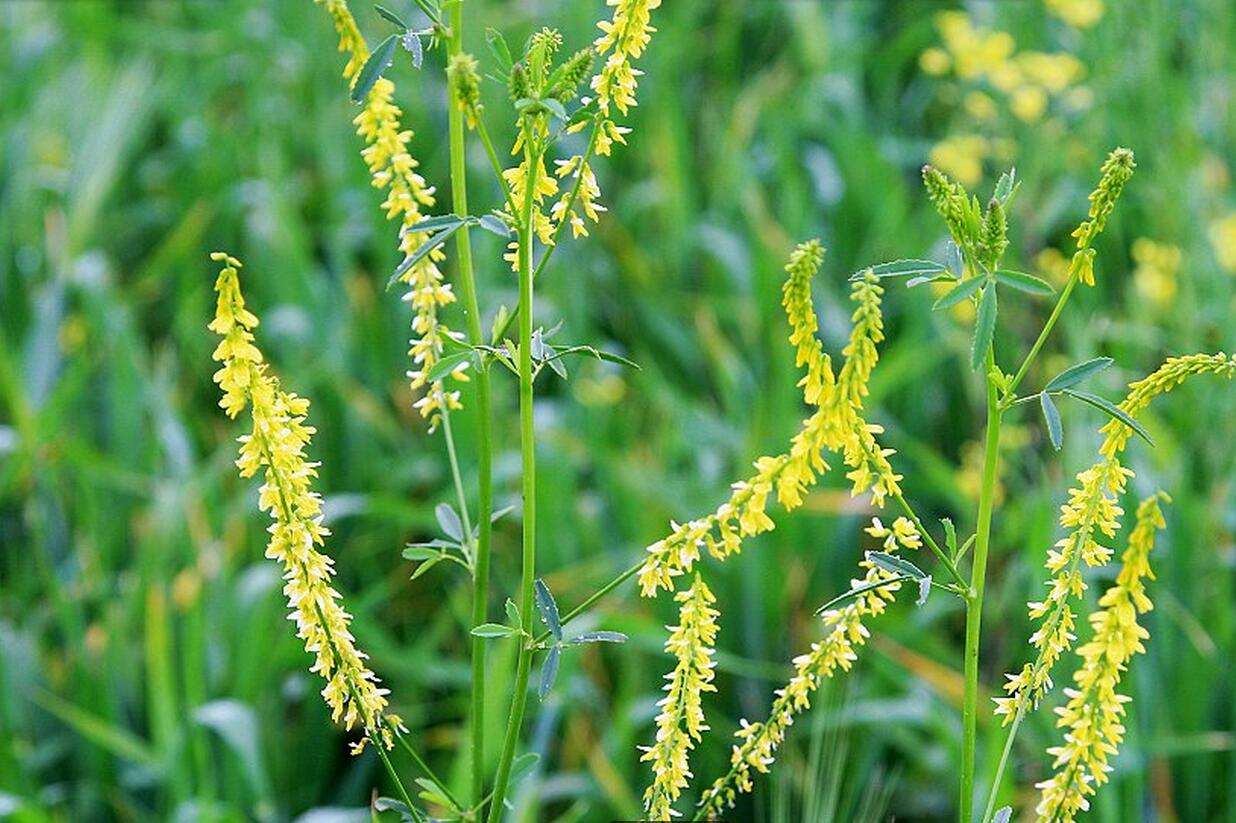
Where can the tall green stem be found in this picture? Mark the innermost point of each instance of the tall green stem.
(1042, 338)
(974, 606)
(527, 446)
(484, 436)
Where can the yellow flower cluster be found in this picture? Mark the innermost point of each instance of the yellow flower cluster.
(844, 633)
(1157, 267)
(1080, 14)
(1117, 170)
(681, 720)
(1222, 233)
(276, 447)
(1092, 511)
(623, 39)
(1095, 710)
(394, 169)
(837, 424)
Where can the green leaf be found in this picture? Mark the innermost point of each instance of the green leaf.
(447, 364)
(495, 224)
(1112, 410)
(432, 242)
(406, 813)
(1003, 815)
(512, 613)
(984, 328)
(114, 739)
(373, 68)
(548, 608)
(431, 9)
(432, 224)
(500, 50)
(432, 793)
(523, 764)
(1007, 186)
(492, 630)
(427, 565)
(391, 17)
(598, 637)
(958, 293)
(449, 521)
(1052, 415)
(950, 536)
(857, 590)
(1025, 282)
(902, 268)
(924, 590)
(549, 671)
(953, 259)
(893, 564)
(1075, 374)
(563, 351)
(420, 553)
(555, 108)
(500, 513)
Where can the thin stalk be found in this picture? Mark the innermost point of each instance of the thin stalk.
(974, 605)
(484, 435)
(1042, 338)
(931, 543)
(460, 498)
(1004, 759)
(527, 445)
(483, 133)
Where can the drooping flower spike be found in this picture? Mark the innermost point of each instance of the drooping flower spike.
(275, 446)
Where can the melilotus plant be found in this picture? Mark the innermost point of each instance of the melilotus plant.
(559, 101)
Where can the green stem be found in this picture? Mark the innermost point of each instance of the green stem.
(974, 608)
(467, 285)
(1007, 400)
(457, 478)
(527, 445)
(1004, 759)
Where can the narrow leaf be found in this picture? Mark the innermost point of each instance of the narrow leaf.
(857, 590)
(426, 566)
(895, 565)
(1112, 410)
(549, 672)
(984, 328)
(449, 521)
(1025, 282)
(512, 613)
(501, 513)
(373, 68)
(950, 536)
(1003, 815)
(902, 268)
(1052, 415)
(598, 637)
(431, 243)
(390, 16)
(523, 764)
(1075, 374)
(548, 608)
(1006, 185)
(492, 223)
(958, 293)
(432, 224)
(490, 630)
(499, 48)
(420, 553)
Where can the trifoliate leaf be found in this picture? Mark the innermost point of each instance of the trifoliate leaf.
(960, 292)
(1075, 374)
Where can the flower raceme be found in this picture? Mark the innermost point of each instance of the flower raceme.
(1091, 513)
(1093, 715)
(680, 722)
(393, 169)
(836, 424)
(275, 446)
(844, 632)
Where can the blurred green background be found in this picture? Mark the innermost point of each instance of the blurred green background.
(147, 670)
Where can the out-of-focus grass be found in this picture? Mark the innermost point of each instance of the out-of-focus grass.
(147, 669)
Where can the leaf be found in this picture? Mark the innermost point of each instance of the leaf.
(985, 327)
(1052, 415)
(857, 590)
(512, 613)
(1003, 815)
(501, 318)
(1006, 186)
(426, 566)
(495, 224)
(501, 513)
(411, 42)
(431, 792)
(389, 804)
(893, 564)
(555, 108)
(936, 278)
(548, 608)
(1077, 373)
(447, 364)
(958, 293)
(953, 258)
(924, 590)
(523, 764)
(1025, 282)
(1113, 411)
(598, 637)
(501, 51)
(420, 553)
(902, 268)
(950, 536)
(449, 521)
(432, 242)
(563, 351)
(549, 671)
(373, 68)
(435, 223)
(390, 16)
(492, 630)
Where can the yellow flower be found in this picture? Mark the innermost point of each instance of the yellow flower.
(1157, 266)
(934, 61)
(796, 298)
(681, 720)
(276, 447)
(836, 424)
(1080, 14)
(1222, 233)
(1116, 172)
(1028, 103)
(961, 156)
(1092, 511)
(1094, 713)
(844, 632)
(394, 169)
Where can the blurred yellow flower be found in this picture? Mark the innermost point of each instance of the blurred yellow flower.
(1052, 262)
(1080, 14)
(961, 157)
(981, 107)
(934, 60)
(1157, 267)
(1222, 233)
(1028, 103)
